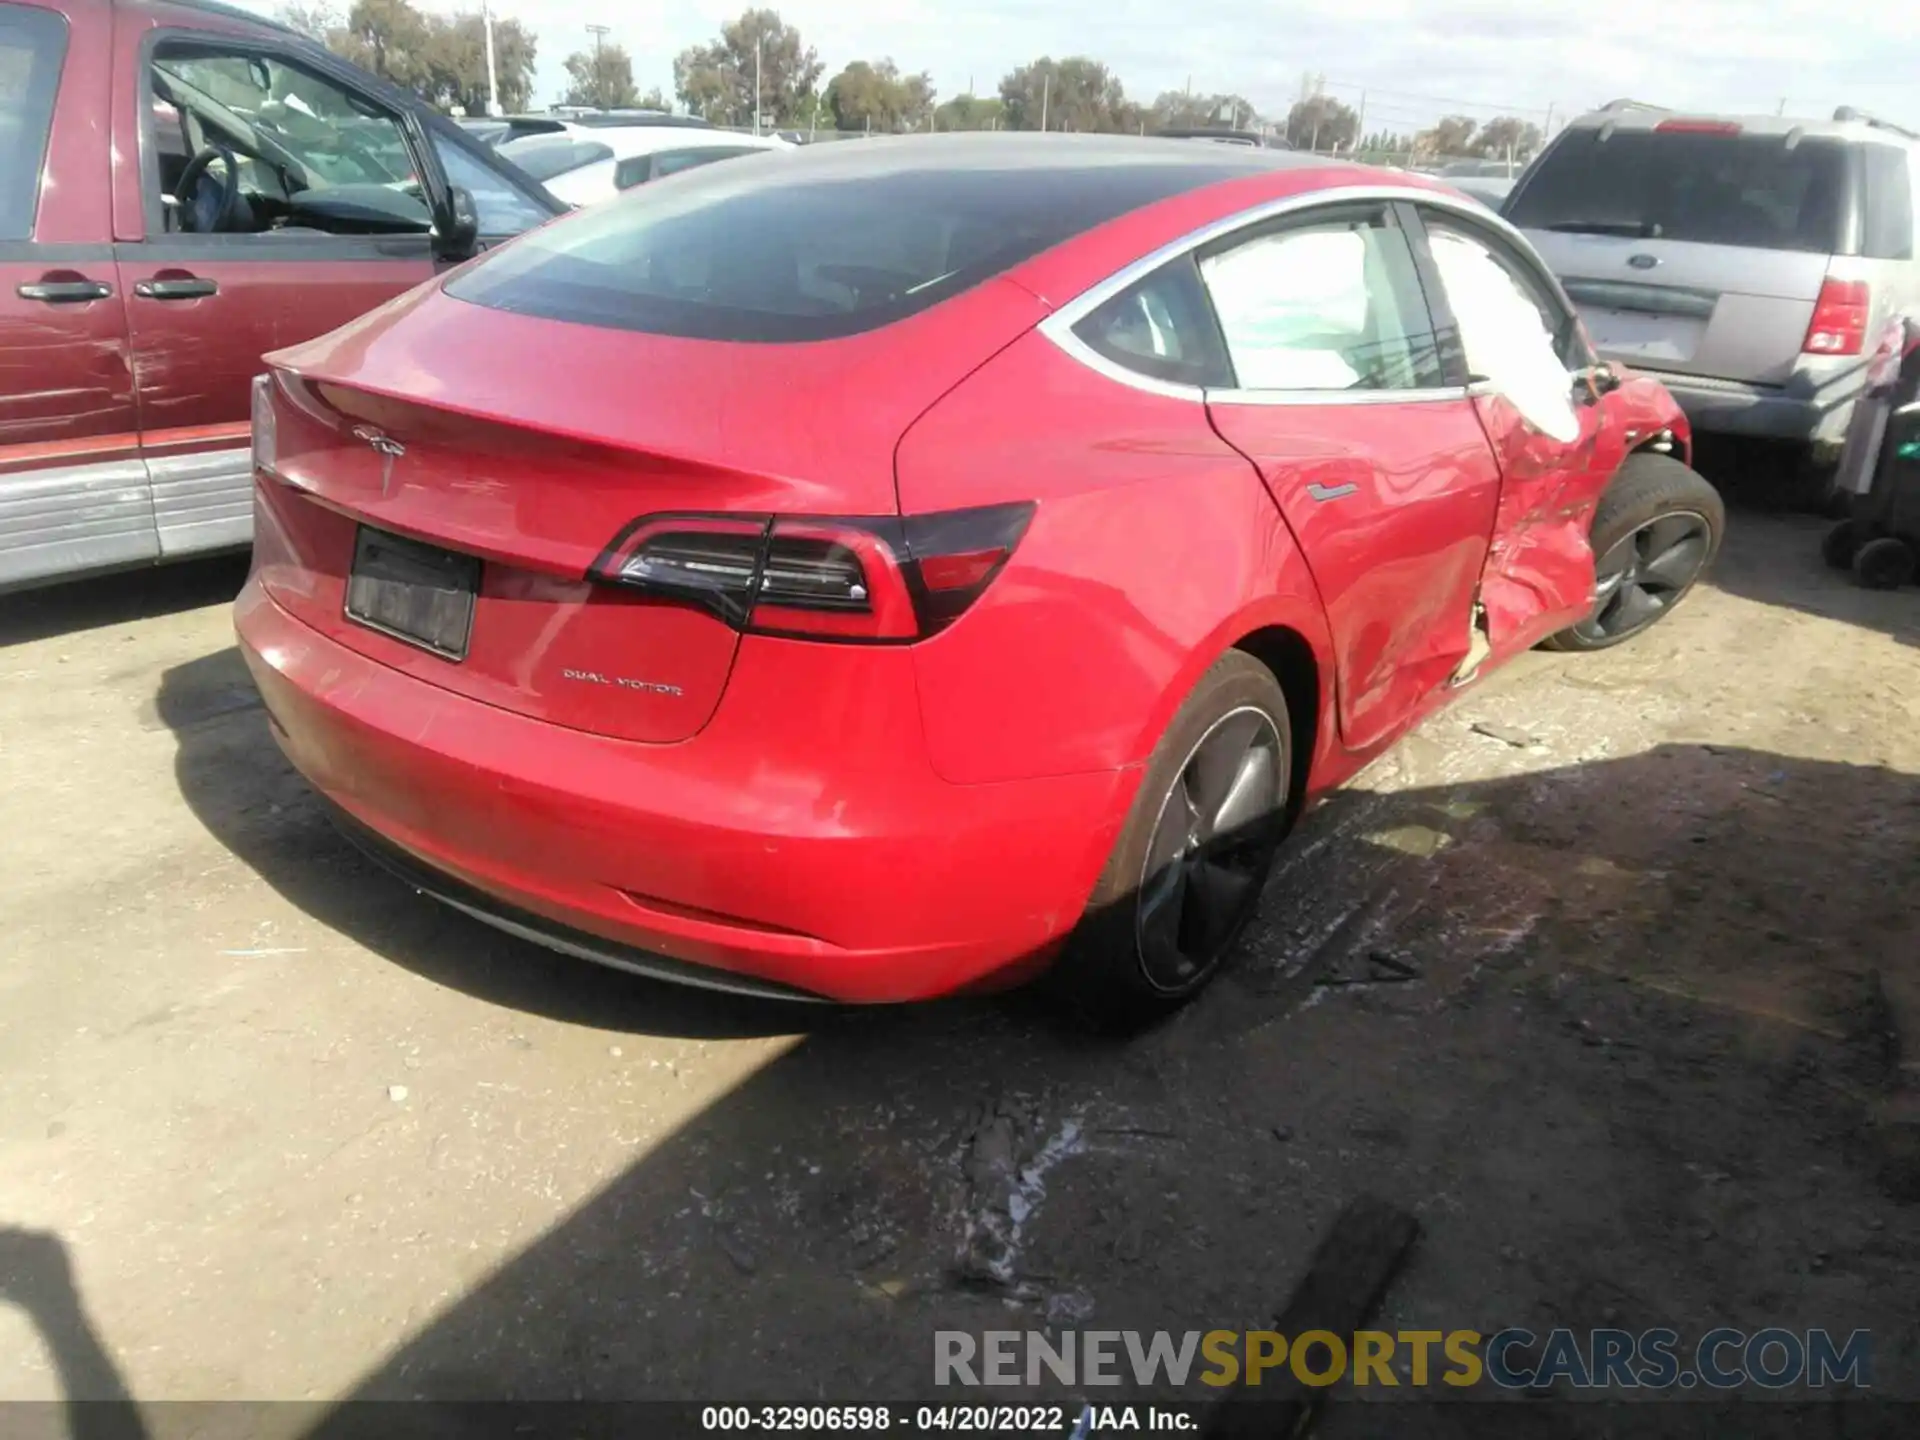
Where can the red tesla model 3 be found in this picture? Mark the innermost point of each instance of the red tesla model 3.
(902, 566)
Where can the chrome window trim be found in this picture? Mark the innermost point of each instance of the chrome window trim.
(1058, 327)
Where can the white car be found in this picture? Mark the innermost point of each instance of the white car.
(588, 165)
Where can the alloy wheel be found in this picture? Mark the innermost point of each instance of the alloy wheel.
(1644, 573)
(1211, 844)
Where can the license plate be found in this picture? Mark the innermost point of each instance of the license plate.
(1632, 334)
(413, 592)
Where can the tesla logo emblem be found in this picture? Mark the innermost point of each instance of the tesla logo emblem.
(1331, 492)
(1643, 262)
(386, 447)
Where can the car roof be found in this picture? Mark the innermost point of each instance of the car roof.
(644, 140)
(1092, 155)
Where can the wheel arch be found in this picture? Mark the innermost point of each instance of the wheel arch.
(1291, 658)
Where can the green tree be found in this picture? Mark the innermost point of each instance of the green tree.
(442, 58)
(1508, 136)
(456, 63)
(317, 21)
(1321, 122)
(971, 112)
(601, 77)
(388, 37)
(1452, 136)
(717, 81)
(654, 100)
(878, 97)
(1071, 94)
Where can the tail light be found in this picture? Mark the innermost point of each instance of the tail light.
(879, 579)
(1839, 325)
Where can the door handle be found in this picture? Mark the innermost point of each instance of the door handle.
(190, 287)
(64, 292)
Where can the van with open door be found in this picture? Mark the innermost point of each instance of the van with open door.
(183, 187)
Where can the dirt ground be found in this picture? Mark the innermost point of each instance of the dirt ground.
(1612, 997)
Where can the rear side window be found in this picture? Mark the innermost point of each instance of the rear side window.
(1161, 327)
(672, 162)
(819, 247)
(32, 45)
(1331, 304)
(1717, 189)
(546, 156)
(1887, 215)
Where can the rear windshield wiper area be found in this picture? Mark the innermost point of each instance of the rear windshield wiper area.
(1632, 229)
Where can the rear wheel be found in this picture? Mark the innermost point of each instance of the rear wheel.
(1186, 873)
(1884, 564)
(1657, 528)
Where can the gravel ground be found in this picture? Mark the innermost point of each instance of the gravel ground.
(1605, 974)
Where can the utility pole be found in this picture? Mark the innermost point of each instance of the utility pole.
(1546, 131)
(756, 84)
(1783, 106)
(599, 91)
(493, 76)
(1046, 93)
(1360, 125)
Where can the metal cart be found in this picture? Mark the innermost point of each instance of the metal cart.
(1880, 469)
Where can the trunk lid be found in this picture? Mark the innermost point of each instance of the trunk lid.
(531, 444)
(1723, 311)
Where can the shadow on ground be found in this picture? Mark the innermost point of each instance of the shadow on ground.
(1777, 562)
(1626, 1035)
(117, 599)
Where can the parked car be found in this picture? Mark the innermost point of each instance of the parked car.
(918, 562)
(182, 187)
(500, 129)
(1491, 193)
(592, 165)
(1742, 259)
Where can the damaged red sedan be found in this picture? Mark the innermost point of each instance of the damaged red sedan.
(896, 568)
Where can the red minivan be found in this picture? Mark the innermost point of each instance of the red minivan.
(184, 186)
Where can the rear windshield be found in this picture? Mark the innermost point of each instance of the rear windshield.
(1747, 190)
(545, 156)
(804, 246)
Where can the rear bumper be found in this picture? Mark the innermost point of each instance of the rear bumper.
(799, 843)
(1807, 410)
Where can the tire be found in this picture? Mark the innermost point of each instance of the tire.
(1884, 564)
(1647, 492)
(1840, 544)
(1116, 973)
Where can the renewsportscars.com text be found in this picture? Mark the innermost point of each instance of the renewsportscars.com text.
(1514, 1359)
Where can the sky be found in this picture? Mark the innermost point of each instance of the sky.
(1414, 60)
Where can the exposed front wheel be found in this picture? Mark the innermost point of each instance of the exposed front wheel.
(1657, 528)
(1186, 873)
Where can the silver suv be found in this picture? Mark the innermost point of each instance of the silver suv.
(1748, 262)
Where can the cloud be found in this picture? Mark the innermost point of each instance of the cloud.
(1414, 61)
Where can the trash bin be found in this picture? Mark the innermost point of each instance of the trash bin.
(1880, 469)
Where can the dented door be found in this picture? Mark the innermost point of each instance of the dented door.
(1555, 439)
(1539, 573)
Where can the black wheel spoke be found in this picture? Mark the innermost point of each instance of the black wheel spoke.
(1674, 567)
(1248, 800)
(1638, 606)
(1209, 848)
(1643, 573)
(1211, 774)
(1163, 907)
